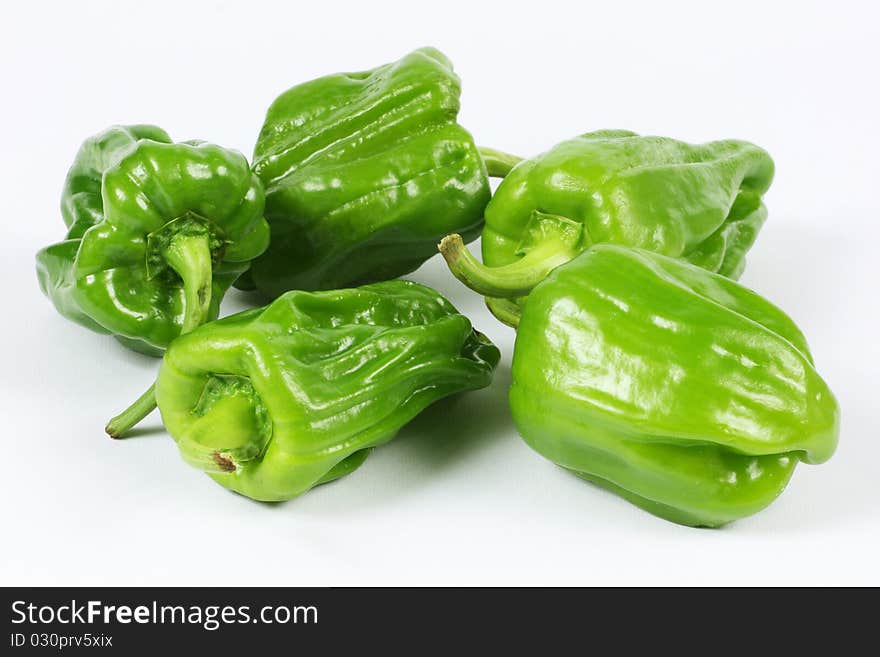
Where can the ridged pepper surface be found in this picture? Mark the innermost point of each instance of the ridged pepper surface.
(273, 401)
(157, 232)
(702, 203)
(676, 388)
(364, 173)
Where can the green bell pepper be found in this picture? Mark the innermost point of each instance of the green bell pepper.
(676, 388)
(157, 232)
(273, 401)
(701, 203)
(364, 173)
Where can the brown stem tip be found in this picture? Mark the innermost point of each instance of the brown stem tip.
(450, 247)
(223, 462)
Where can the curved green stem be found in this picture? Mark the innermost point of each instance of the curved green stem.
(505, 310)
(498, 163)
(189, 254)
(123, 422)
(190, 257)
(514, 280)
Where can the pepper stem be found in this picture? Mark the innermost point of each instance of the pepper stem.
(498, 163)
(506, 310)
(123, 422)
(514, 280)
(189, 254)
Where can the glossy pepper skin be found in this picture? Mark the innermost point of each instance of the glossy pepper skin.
(676, 388)
(701, 203)
(364, 173)
(157, 232)
(273, 401)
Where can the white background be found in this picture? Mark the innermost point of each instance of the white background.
(458, 498)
